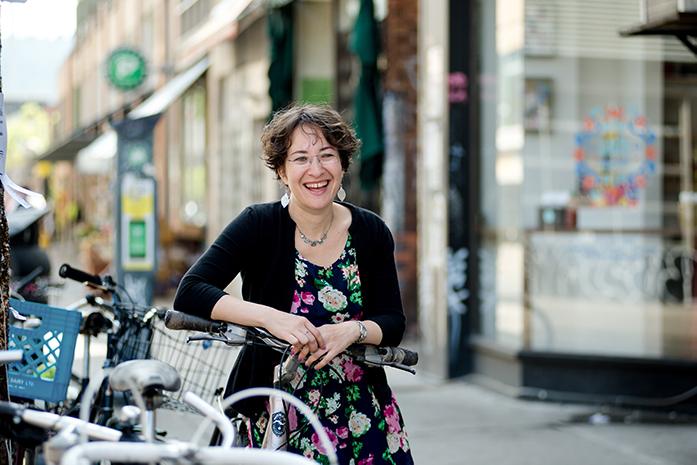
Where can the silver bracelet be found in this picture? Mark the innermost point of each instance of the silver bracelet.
(362, 334)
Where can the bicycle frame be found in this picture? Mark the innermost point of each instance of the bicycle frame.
(74, 433)
(182, 452)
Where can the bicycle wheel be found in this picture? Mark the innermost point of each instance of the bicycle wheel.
(102, 407)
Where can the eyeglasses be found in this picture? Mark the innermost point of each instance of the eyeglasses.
(304, 161)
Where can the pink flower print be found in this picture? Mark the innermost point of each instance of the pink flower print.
(313, 397)
(296, 303)
(403, 442)
(351, 274)
(394, 442)
(366, 461)
(342, 432)
(292, 419)
(392, 419)
(353, 372)
(304, 310)
(339, 317)
(318, 445)
(307, 297)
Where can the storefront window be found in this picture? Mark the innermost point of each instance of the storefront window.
(588, 172)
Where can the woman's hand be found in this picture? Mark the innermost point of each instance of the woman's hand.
(337, 338)
(296, 330)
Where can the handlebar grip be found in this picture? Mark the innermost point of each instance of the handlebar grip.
(183, 321)
(67, 271)
(10, 408)
(399, 355)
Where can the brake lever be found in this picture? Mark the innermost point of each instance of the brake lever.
(406, 368)
(207, 337)
(235, 335)
(288, 372)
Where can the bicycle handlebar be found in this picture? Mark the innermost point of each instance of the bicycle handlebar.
(183, 321)
(388, 355)
(67, 271)
(52, 421)
(397, 357)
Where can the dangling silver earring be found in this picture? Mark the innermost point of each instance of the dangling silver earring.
(285, 199)
(341, 194)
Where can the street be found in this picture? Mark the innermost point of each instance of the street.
(462, 423)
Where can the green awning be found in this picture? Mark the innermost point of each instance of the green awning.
(365, 43)
(280, 30)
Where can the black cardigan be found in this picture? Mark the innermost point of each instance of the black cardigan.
(260, 244)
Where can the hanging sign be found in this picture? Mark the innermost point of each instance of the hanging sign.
(126, 68)
(18, 193)
(137, 223)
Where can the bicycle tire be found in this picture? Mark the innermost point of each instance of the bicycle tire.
(100, 411)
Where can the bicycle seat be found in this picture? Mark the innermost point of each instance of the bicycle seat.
(144, 375)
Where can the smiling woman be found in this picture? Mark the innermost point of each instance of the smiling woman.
(319, 274)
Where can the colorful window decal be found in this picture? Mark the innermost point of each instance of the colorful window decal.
(615, 156)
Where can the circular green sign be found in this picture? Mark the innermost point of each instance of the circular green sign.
(126, 68)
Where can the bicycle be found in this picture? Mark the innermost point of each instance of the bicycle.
(188, 451)
(29, 426)
(145, 379)
(137, 332)
(286, 373)
(128, 329)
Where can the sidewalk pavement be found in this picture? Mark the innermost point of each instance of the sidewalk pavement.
(459, 422)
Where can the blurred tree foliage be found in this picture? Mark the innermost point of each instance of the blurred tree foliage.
(29, 134)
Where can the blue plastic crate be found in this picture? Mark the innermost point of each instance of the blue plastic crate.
(44, 371)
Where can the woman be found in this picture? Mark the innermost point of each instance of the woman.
(319, 274)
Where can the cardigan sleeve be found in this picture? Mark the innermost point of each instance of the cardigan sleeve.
(383, 302)
(204, 283)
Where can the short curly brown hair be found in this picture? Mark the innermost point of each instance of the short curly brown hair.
(277, 134)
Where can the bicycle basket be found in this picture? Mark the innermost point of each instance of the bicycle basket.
(133, 341)
(44, 371)
(203, 367)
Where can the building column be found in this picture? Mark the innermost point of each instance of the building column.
(432, 185)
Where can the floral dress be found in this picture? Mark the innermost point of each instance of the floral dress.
(361, 419)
